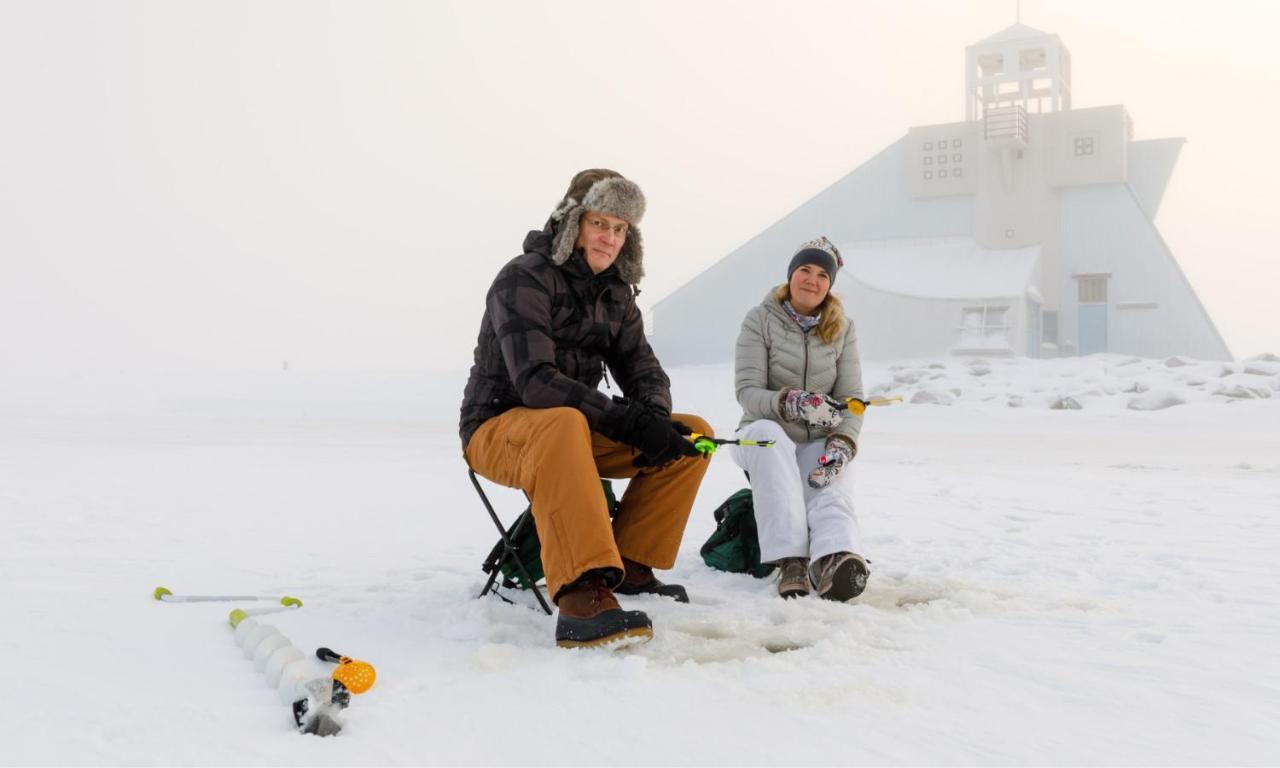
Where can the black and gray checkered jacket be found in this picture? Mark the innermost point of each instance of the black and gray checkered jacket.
(547, 335)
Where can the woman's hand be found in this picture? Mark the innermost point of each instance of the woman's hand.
(836, 455)
(817, 410)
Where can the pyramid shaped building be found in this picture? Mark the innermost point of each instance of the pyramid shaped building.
(1026, 230)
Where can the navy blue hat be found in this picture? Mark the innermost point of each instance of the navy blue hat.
(821, 252)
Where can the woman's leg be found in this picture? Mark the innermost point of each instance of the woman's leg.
(775, 490)
(832, 524)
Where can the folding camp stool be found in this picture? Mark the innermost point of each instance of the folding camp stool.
(505, 557)
(506, 551)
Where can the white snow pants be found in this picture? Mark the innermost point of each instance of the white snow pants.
(793, 519)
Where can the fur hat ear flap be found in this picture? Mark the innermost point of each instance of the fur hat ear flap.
(566, 235)
(565, 206)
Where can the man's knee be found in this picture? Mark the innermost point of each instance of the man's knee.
(562, 422)
(695, 423)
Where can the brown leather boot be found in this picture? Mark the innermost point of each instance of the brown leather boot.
(590, 616)
(639, 580)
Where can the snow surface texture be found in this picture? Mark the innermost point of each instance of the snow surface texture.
(1050, 584)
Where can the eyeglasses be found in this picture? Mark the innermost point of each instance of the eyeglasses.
(600, 225)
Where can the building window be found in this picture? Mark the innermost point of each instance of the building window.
(928, 174)
(942, 173)
(928, 160)
(942, 159)
(1084, 145)
(1091, 290)
(955, 143)
(955, 158)
(956, 171)
(985, 327)
(928, 146)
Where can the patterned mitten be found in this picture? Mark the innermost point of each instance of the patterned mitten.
(818, 410)
(836, 455)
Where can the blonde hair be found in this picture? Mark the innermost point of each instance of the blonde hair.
(831, 310)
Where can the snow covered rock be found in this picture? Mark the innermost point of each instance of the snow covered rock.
(1066, 403)
(1262, 369)
(1156, 400)
(1265, 357)
(932, 397)
(1243, 392)
(1177, 362)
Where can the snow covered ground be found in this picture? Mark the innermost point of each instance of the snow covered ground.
(1050, 584)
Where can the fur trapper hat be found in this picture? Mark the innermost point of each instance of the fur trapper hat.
(599, 189)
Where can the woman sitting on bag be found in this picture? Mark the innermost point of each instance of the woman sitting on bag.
(796, 365)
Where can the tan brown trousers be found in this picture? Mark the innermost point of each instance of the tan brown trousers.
(555, 458)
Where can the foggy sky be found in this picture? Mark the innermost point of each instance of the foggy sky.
(229, 185)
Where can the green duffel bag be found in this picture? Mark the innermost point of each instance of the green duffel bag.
(735, 544)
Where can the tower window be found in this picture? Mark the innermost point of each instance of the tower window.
(1083, 145)
(942, 173)
(928, 174)
(928, 146)
(928, 160)
(955, 158)
(955, 171)
(955, 143)
(1091, 290)
(942, 159)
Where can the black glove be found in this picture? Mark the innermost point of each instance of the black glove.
(659, 439)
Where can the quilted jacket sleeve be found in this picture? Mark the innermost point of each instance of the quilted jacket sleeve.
(751, 369)
(636, 367)
(849, 383)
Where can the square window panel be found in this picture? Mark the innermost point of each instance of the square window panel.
(955, 158)
(928, 160)
(942, 174)
(956, 171)
(928, 174)
(928, 146)
(942, 159)
(955, 143)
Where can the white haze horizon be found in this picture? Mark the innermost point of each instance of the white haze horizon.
(238, 186)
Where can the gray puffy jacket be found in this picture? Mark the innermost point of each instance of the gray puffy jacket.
(774, 354)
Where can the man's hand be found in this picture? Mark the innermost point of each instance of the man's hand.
(660, 440)
(836, 455)
(817, 410)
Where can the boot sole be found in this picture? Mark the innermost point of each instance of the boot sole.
(623, 639)
(793, 593)
(849, 580)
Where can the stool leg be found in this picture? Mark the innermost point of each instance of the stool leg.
(509, 550)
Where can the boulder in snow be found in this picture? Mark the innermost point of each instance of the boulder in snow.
(1242, 392)
(1176, 362)
(932, 397)
(1262, 369)
(1156, 400)
(1066, 403)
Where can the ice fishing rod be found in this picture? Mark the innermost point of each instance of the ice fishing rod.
(709, 445)
(164, 595)
(857, 406)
